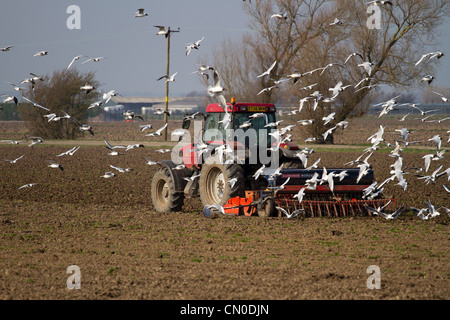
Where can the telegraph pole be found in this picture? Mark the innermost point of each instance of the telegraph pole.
(166, 109)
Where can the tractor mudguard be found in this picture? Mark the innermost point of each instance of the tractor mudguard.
(177, 175)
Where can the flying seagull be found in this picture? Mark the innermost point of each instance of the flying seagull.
(292, 215)
(168, 79)
(336, 22)
(157, 132)
(140, 13)
(36, 104)
(267, 72)
(53, 164)
(130, 115)
(34, 141)
(162, 31)
(279, 16)
(15, 160)
(122, 170)
(162, 111)
(195, 45)
(393, 215)
(83, 127)
(108, 175)
(87, 88)
(40, 54)
(422, 112)
(442, 96)
(10, 98)
(428, 79)
(430, 56)
(353, 55)
(192, 178)
(28, 185)
(367, 66)
(300, 194)
(73, 60)
(378, 209)
(93, 60)
(379, 2)
(7, 48)
(69, 152)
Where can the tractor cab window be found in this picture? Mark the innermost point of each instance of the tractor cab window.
(212, 123)
(257, 123)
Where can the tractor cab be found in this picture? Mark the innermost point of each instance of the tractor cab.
(239, 117)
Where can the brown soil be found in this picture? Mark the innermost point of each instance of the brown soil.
(125, 250)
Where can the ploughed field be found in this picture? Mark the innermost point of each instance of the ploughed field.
(125, 250)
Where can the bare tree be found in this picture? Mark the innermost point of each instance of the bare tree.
(61, 94)
(322, 35)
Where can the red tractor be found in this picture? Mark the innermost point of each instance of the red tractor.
(238, 185)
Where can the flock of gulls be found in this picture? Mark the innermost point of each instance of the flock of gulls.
(398, 173)
(280, 135)
(60, 115)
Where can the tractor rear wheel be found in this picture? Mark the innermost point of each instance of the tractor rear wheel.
(215, 183)
(164, 197)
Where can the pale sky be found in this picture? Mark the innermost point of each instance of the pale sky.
(136, 56)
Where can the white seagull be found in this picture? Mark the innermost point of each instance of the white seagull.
(437, 140)
(168, 79)
(157, 132)
(93, 60)
(328, 118)
(36, 104)
(430, 56)
(7, 48)
(40, 54)
(10, 98)
(259, 172)
(195, 176)
(69, 152)
(53, 164)
(442, 96)
(393, 215)
(292, 215)
(122, 170)
(353, 55)
(428, 79)
(300, 194)
(15, 160)
(140, 13)
(108, 175)
(378, 209)
(34, 141)
(73, 60)
(367, 66)
(162, 31)
(194, 45)
(267, 72)
(28, 185)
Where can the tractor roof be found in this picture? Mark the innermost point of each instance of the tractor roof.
(242, 107)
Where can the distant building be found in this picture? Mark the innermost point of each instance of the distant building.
(146, 106)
